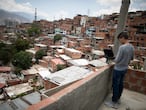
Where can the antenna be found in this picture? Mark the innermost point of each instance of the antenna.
(35, 17)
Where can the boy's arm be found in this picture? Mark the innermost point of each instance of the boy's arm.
(119, 55)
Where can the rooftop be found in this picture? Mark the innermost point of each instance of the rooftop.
(44, 73)
(73, 50)
(98, 52)
(76, 94)
(65, 57)
(97, 63)
(79, 62)
(15, 90)
(68, 75)
(129, 101)
(41, 45)
(88, 94)
(21, 103)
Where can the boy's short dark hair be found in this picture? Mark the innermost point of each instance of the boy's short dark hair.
(123, 35)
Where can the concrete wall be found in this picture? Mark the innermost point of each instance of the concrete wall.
(52, 91)
(86, 94)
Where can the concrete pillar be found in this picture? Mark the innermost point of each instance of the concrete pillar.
(121, 23)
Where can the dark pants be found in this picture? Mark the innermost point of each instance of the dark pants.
(118, 78)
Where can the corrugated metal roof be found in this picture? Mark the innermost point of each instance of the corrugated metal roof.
(40, 45)
(32, 98)
(13, 91)
(65, 57)
(97, 63)
(68, 75)
(98, 52)
(21, 103)
(73, 50)
(79, 62)
(44, 73)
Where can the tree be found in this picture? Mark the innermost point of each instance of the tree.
(34, 30)
(39, 54)
(5, 56)
(22, 60)
(21, 44)
(57, 37)
(2, 45)
(6, 53)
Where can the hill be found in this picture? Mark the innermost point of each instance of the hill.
(6, 16)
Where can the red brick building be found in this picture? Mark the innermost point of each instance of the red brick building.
(55, 62)
(75, 54)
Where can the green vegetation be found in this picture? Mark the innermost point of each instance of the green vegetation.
(6, 53)
(22, 60)
(60, 67)
(137, 66)
(21, 44)
(34, 31)
(57, 37)
(2, 45)
(5, 56)
(39, 54)
(35, 79)
(15, 54)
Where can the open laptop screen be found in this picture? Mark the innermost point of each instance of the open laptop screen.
(108, 53)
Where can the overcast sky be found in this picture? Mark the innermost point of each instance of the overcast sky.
(56, 9)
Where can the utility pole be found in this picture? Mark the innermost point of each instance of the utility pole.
(121, 23)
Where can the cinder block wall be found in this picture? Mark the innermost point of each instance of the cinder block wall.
(86, 94)
(135, 80)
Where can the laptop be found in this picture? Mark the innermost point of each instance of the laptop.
(109, 55)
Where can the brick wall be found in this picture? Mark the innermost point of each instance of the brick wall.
(48, 84)
(72, 44)
(15, 82)
(37, 48)
(43, 63)
(136, 80)
(55, 62)
(72, 54)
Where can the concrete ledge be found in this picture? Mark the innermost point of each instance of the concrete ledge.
(85, 94)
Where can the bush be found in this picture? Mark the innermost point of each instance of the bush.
(22, 60)
(39, 54)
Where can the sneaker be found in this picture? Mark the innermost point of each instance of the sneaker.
(112, 104)
(119, 101)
